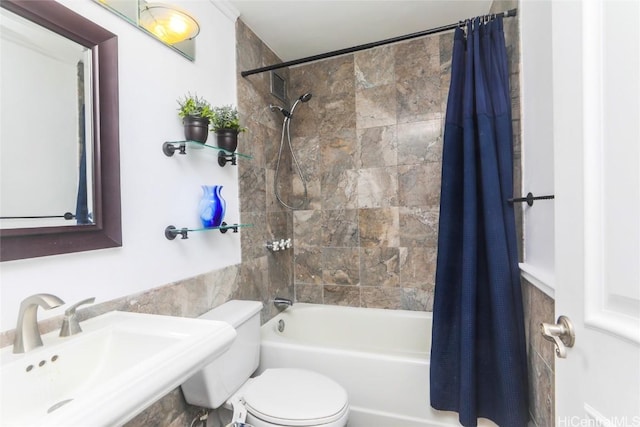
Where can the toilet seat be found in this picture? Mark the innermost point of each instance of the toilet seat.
(295, 397)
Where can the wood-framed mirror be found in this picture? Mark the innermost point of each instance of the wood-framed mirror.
(103, 229)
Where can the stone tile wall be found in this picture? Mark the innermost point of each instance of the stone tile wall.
(539, 308)
(370, 141)
(371, 144)
(258, 205)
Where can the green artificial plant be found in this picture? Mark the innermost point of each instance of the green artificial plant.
(226, 117)
(195, 106)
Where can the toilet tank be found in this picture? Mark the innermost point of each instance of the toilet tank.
(213, 385)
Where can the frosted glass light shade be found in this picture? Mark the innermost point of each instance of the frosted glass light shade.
(168, 23)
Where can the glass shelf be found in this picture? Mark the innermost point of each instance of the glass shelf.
(171, 232)
(224, 156)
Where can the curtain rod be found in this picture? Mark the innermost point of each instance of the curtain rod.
(507, 14)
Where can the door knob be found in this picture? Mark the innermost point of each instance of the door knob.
(561, 334)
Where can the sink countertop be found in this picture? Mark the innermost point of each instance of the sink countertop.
(120, 364)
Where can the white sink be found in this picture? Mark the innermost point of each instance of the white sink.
(120, 364)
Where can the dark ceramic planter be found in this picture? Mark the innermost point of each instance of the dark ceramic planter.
(196, 128)
(227, 139)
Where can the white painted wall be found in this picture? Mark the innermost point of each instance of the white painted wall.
(156, 190)
(537, 141)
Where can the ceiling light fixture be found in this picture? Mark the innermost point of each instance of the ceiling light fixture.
(168, 23)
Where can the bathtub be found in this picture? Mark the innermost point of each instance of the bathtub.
(381, 357)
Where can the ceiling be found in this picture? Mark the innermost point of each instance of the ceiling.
(296, 29)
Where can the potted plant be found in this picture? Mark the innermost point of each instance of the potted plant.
(196, 115)
(226, 125)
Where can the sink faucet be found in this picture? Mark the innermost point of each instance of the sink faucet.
(27, 333)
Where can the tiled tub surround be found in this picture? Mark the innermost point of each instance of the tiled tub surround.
(370, 141)
(370, 144)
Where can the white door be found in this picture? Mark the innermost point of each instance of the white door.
(596, 86)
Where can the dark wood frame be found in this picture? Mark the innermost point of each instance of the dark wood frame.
(106, 232)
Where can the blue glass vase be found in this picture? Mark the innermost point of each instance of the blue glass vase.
(212, 206)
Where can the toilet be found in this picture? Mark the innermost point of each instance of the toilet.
(275, 398)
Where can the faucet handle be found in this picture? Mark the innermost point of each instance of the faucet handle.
(72, 310)
(70, 324)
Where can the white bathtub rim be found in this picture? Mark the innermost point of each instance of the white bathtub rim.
(419, 358)
(385, 311)
(270, 328)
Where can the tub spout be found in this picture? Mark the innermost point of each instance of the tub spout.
(282, 303)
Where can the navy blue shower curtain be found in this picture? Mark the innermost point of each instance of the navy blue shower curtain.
(82, 209)
(478, 354)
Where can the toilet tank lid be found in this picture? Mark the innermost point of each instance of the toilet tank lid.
(234, 312)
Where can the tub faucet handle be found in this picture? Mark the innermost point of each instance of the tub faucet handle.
(274, 246)
(70, 323)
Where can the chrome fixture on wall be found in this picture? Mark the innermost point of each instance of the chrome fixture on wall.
(278, 245)
(288, 115)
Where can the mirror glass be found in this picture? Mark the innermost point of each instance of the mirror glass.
(136, 11)
(46, 86)
(59, 132)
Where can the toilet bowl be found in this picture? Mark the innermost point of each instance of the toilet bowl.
(277, 397)
(294, 397)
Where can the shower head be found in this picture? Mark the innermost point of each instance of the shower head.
(306, 97)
